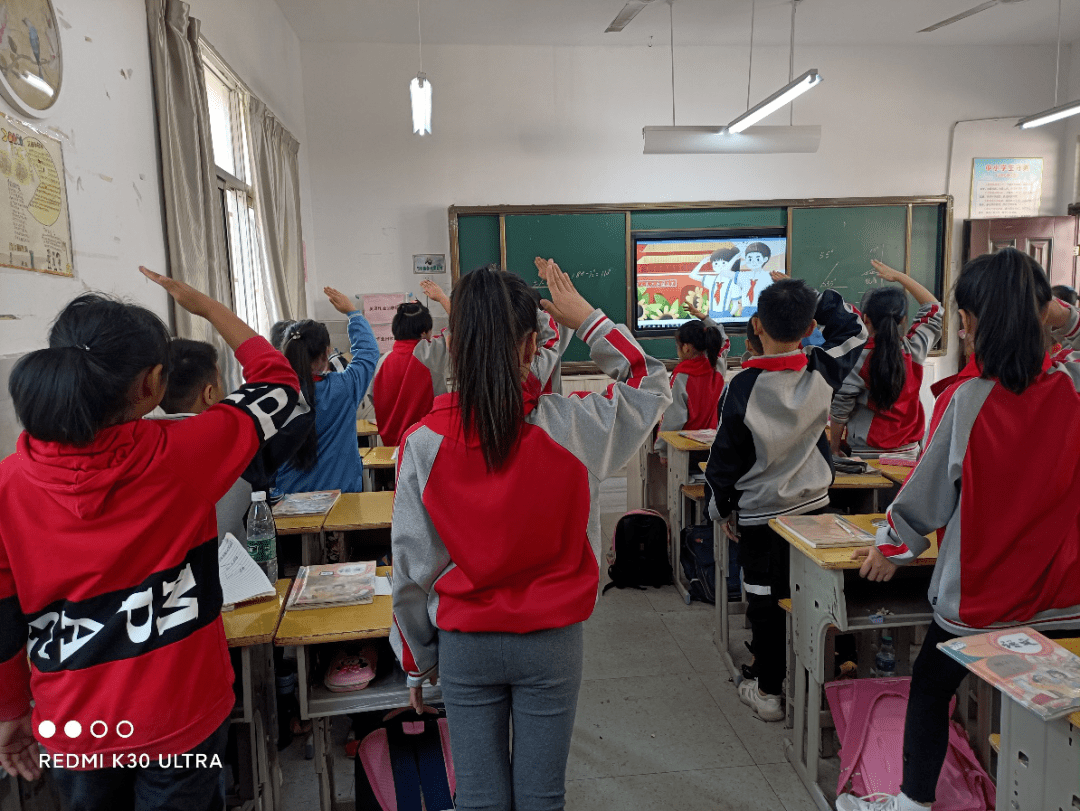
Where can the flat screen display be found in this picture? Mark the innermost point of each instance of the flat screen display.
(719, 274)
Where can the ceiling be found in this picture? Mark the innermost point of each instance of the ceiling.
(697, 22)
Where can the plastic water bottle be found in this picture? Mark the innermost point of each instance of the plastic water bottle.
(262, 536)
(885, 661)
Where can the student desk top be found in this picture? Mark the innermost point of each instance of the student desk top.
(827, 592)
(379, 458)
(308, 528)
(360, 511)
(898, 473)
(366, 428)
(874, 480)
(255, 623)
(340, 624)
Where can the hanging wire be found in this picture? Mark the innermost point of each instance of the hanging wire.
(791, 62)
(671, 28)
(1057, 64)
(750, 70)
(420, 35)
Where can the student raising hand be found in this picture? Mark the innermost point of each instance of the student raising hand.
(340, 301)
(567, 305)
(435, 293)
(694, 311)
(777, 275)
(225, 321)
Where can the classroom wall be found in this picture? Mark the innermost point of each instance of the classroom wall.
(105, 117)
(531, 125)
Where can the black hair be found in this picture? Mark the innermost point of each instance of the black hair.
(98, 347)
(1065, 293)
(491, 313)
(304, 342)
(786, 309)
(886, 309)
(277, 333)
(702, 338)
(411, 321)
(754, 340)
(758, 247)
(192, 367)
(725, 254)
(1006, 292)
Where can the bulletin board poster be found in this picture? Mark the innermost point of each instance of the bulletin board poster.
(1006, 187)
(379, 310)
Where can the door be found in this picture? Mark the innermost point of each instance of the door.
(1051, 241)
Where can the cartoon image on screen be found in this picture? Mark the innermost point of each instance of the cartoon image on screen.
(722, 277)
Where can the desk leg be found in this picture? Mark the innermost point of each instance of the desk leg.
(310, 543)
(324, 762)
(677, 476)
(722, 612)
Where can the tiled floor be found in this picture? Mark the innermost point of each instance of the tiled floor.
(659, 725)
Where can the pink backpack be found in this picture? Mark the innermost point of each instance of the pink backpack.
(406, 758)
(869, 718)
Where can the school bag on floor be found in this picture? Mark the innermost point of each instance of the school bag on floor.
(639, 551)
(698, 562)
(869, 717)
(405, 759)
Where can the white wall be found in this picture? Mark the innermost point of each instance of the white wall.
(110, 154)
(530, 125)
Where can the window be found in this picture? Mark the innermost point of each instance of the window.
(227, 102)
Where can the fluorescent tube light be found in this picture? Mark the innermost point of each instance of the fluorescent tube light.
(720, 140)
(1046, 116)
(420, 92)
(777, 100)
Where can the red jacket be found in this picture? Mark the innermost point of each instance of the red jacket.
(407, 380)
(108, 571)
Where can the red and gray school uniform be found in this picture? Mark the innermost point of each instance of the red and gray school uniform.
(110, 602)
(999, 481)
(695, 391)
(408, 378)
(507, 551)
(770, 456)
(872, 431)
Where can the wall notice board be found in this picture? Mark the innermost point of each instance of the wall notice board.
(830, 245)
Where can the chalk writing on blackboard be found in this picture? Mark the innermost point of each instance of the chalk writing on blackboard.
(829, 283)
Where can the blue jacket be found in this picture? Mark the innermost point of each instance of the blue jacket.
(337, 396)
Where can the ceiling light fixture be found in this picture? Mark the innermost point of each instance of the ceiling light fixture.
(420, 89)
(1058, 111)
(785, 95)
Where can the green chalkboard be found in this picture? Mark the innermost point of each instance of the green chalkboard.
(689, 219)
(478, 241)
(590, 247)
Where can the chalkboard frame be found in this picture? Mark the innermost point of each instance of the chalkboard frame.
(501, 211)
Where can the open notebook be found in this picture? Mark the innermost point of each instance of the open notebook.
(242, 580)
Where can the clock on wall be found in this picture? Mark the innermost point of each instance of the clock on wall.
(31, 65)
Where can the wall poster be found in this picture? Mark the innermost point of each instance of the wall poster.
(35, 233)
(1006, 187)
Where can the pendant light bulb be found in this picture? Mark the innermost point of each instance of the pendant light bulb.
(420, 92)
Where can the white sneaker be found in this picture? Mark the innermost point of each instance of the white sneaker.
(878, 802)
(766, 706)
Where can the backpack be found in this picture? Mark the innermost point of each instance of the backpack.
(699, 562)
(869, 717)
(639, 551)
(404, 758)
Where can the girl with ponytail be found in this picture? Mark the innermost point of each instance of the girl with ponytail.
(999, 479)
(698, 379)
(329, 457)
(879, 404)
(496, 532)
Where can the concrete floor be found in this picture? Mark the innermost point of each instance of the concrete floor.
(659, 724)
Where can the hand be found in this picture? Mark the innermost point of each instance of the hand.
(885, 272)
(777, 275)
(18, 749)
(694, 311)
(730, 530)
(567, 306)
(416, 699)
(435, 293)
(876, 566)
(339, 301)
(1057, 314)
(185, 295)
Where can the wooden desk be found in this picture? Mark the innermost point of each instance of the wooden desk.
(827, 592)
(377, 459)
(679, 453)
(250, 628)
(1038, 761)
(360, 511)
(898, 473)
(306, 526)
(367, 433)
(320, 625)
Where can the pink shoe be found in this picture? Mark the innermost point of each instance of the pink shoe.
(351, 671)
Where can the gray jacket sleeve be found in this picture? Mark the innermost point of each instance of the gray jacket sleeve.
(435, 355)
(551, 342)
(725, 345)
(420, 558)
(847, 397)
(929, 498)
(675, 416)
(925, 331)
(605, 430)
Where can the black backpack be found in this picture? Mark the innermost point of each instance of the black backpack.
(639, 551)
(699, 562)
